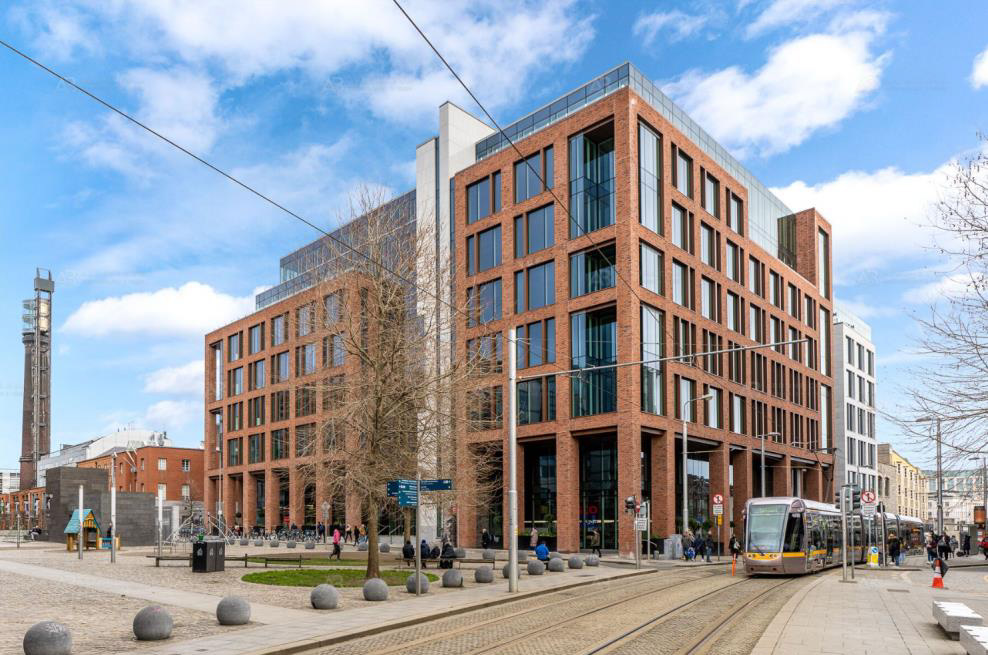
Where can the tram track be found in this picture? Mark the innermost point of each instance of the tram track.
(471, 633)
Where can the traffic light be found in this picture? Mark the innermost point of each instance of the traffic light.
(855, 499)
(629, 504)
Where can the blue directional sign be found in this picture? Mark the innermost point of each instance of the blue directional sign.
(437, 485)
(408, 498)
(394, 486)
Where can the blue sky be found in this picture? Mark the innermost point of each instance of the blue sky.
(856, 108)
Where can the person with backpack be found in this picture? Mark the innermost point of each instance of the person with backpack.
(735, 545)
(893, 548)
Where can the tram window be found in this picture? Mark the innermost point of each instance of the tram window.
(794, 534)
(816, 533)
(765, 526)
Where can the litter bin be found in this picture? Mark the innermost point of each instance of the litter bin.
(200, 557)
(217, 556)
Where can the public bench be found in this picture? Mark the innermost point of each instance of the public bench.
(951, 616)
(246, 559)
(974, 639)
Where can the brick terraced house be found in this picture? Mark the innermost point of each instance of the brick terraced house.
(623, 233)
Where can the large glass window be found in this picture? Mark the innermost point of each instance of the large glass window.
(680, 227)
(733, 312)
(278, 332)
(823, 263)
(708, 246)
(527, 174)
(711, 195)
(256, 339)
(537, 400)
(755, 276)
(765, 523)
(684, 173)
(485, 354)
(479, 200)
(331, 307)
(305, 359)
(649, 179)
(255, 448)
(489, 249)
(680, 284)
(536, 343)
(594, 343)
(591, 172)
(534, 231)
(484, 409)
(233, 349)
(734, 263)
(653, 348)
(712, 408)
(484, 302)
(217, 370)
(535, 287)
(279, 444)
(651, 267)
(708, 299)
(235, 385)
(734, 216)
(591, 270)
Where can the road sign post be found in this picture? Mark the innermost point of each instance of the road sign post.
(719, 512)
(408, 493)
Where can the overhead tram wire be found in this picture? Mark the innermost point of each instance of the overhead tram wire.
(231, 178)
(582, 232)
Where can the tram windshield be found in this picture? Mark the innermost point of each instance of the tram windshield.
(765, 527)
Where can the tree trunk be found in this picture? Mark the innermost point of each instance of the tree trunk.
(407, 515)
(373, 552)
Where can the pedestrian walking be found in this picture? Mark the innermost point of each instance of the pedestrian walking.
(708, 545)
(931, 548)
(486, 540)
(336, 544)
(943, 547)
(595, 543)
(984, 546)
(321, 532)
(893, 547)
(735, 546)
(348, 533)
(967, 545)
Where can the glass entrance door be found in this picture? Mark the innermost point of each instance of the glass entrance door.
(598, 491)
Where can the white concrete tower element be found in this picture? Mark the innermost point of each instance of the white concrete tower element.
(854, 425)
(437, 160)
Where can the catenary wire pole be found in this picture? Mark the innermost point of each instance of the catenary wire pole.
(512, 465)
(113, 508)
(82, 532)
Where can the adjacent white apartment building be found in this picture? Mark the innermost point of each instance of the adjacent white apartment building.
(857, 445)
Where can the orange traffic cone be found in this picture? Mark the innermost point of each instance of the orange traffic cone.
(937, 578)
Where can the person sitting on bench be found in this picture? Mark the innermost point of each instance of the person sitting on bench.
(542, 552)
(424, 551)
(408, 552)
(447, 556)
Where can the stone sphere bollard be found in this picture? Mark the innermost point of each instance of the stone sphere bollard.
(410, 583)
(506, 572)
(324, 597)
(556, 565)
(593, 560)
(47, 638)
(153, 623)
(245, 542)
(362, 546)
(385, 548)
(375, 589)
(483, 574)
(452, 578)
(576, 562)
(290, 544)
(488, 554)
(258, 542)
(460, 553)
(310, 545)
(535, 567)
(553, 555)
(233, 610)
(274, 543)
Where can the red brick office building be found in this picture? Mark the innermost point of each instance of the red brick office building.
(178, 472)
(652, 241)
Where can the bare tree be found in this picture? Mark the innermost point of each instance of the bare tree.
(391, 412)
(952, 383)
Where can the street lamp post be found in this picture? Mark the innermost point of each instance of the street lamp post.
(763, 437)
(930, 419)
(686, 502)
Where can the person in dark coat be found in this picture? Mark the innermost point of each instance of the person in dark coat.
(735, 546)
(321, 532)
(893, 547)
(967, 545)
(424, 551)
(486, 540)
(708, 546)
(408, 551)
(447, 556)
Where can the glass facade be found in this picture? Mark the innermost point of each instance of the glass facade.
(540, 488)
(591, 173)
(591, 270)
(650, 264)
(594, 343)
(649, 179)
(653, 347)
(598, 491)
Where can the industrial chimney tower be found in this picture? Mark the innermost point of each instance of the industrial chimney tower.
(36, 335)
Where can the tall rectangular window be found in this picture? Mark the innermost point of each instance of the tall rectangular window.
(279, 368)
(775, 288)
(537, 400)
(484, 302)
(279, 332)
(734, 215)
(541, 285)
(234, 346)
(255, 448)
(755, 276)
(708, 246)
(235, 385)
(534, 231)
(485, 354)
(331, 307)
(653, 348)
(256, 338)
(217, 349)
(591, 173)
(304, 320)
(711, 195)
(649, 179)
(527, 177)
(737, 414)
(755, 324)
(680, 227)
(651, 268)
(279, 444)
(824, 341)
(593, 343)
(591, 270)
(734, 262)
(823, 263)
(489, 249)
(733, 312)
(485, 409)
(681, 284)
(305, 359)
(708, 299)
(712, 408)
(478, 200)
(684, 174)
(280, 405)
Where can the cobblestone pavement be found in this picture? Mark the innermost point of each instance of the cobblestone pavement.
(133, 566)
(565, 622)
(100, 623)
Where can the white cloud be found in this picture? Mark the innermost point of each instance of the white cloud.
(979, 72)
(178, 103)
(787, 12)
(867, 208)
(191, 309)
(807, 84)
(949, 286)
(679, 24)
(866, 310)
(186, 379)
(173, 415)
